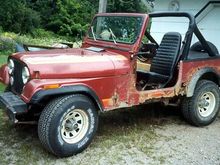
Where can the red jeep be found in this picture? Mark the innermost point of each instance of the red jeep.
(119, 65)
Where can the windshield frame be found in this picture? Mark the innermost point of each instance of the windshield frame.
(141, 16)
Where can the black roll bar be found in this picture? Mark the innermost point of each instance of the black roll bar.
(192, 28)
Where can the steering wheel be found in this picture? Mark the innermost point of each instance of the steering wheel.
(147, 51)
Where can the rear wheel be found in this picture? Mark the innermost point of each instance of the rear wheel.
(67, 125)
(202, 108)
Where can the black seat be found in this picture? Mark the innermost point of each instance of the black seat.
(165, 60)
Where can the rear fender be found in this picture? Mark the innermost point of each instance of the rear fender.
(206, 73)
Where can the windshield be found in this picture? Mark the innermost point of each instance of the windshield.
(122, 29)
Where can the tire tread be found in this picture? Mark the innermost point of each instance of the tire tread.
(46, 118)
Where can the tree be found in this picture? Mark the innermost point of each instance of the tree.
(125, 5)
(16, 16)
(129, 6)
(65, 17)
(71, 17)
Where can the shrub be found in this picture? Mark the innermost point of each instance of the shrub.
(17, 17)
(1, 30)
(41, 33)
(71, 17)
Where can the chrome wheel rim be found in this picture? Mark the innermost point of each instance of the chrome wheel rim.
(74, 126)
(206, 104)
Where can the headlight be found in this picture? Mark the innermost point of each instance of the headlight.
(11, 80)
(11, 66)
(25, 75)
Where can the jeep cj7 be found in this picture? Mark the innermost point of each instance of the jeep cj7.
(119, 65)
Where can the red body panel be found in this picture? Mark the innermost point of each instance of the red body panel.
(4, 77)
(74, 63)
(191, 67)
(120, 90)
(104, 87)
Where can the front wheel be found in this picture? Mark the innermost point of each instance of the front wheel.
(202, 108)
(67, 125)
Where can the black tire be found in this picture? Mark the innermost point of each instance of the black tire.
(56, 113)
(199, 48)
(191, 108)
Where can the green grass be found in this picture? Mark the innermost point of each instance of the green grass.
(40, 37)
(3, 59)
(4, 54)
(122, 134)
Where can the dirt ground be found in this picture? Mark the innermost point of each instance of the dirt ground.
(144, 135)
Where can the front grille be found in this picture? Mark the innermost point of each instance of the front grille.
(18, 84)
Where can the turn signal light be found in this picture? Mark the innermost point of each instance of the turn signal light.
(51, 86)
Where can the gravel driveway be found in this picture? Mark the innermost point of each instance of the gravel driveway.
(189, 145)
(133, 136)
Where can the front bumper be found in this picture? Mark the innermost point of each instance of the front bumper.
(13, 105)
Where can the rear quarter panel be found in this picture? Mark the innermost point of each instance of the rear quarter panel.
(190, 67)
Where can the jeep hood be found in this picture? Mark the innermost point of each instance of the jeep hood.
(74, 63)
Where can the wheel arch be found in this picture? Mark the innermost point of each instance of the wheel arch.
(43, 95)
(203, 74)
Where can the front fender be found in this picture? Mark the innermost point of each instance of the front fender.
(73, 89)
(196, 77)
(4, 76)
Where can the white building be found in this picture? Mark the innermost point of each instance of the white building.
(208, 18)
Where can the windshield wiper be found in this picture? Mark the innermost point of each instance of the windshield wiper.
(93, 34)
(113, 35)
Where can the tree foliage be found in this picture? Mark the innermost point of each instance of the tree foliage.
(71, 17)
(129, 6)
(64, 17)
(16, 16)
